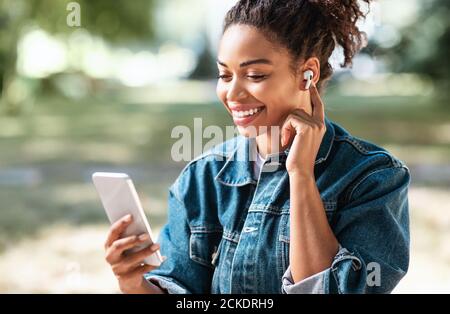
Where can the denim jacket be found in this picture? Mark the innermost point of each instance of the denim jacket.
(228, 232)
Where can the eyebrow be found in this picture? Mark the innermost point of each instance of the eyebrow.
(247, 63)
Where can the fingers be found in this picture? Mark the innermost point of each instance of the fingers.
(139, 256)
(114, 252)
(134, 260)
(298, 117)
(142, 269)
(302, 114)
(317, 105)
(117, 229)
(293, 125)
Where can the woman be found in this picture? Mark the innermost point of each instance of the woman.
(321, 212)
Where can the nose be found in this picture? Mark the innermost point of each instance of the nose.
(236, 93)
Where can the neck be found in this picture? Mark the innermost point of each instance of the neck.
(268, 143)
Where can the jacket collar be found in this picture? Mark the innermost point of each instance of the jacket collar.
(238, 168)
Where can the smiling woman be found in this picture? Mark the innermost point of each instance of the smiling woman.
(300, 205)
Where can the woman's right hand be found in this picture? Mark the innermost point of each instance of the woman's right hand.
(129, 269)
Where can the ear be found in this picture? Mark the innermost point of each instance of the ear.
(312, 64)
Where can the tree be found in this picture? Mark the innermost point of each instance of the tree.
(425, 44)
(116, 21)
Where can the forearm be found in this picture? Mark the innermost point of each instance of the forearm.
(312, 242)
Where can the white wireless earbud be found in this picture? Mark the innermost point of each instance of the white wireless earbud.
(308, 76)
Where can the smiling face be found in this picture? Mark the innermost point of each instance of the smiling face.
(256, 83)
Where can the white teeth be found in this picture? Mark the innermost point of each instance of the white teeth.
(246, 113)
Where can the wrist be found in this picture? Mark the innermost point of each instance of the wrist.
(149, 287)
(145, 287)
(298, 175)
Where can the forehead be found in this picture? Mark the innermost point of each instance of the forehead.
(242, 42)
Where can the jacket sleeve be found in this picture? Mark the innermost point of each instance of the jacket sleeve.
(373, 232)
(179, 274)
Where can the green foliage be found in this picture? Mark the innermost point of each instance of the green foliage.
(113, 20)
(116, 21)
(425, 44)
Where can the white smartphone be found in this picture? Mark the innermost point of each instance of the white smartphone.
(119, 198)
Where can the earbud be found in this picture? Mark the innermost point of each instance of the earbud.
(308, 76)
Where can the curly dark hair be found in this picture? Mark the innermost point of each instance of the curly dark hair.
(307, 28)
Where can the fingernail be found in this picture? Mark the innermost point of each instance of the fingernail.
(155, 247)
(143, 237)
(128, 218)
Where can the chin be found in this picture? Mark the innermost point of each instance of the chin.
(251, 131)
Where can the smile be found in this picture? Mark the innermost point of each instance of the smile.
(246, 113)
(245, 117)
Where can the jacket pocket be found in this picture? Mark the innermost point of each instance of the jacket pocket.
(203, 244)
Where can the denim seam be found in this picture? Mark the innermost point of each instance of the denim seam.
(355, 142)
(196, 159)
(367, 176)
(329, 206)
(284, 239)
(205, 155)
(229, 159)
(256, 278)
(276, 189)
(175, 195)
(235, 184)
(264, 206)
(333, 137)
(194, 230)
(201, 261)
(205, 229)
(336, 278)
(231, 235)
(239, 240)
(356, 262)
(167, 283)
(196, 258)
(343, 255)
(216, 253)
(226, 163)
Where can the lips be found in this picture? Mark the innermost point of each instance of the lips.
(244, 117)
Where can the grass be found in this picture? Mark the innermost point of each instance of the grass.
(47, 156)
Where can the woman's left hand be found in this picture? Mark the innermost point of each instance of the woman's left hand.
(307, 132)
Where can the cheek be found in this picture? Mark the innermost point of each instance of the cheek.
(276, 98)
(265, 94)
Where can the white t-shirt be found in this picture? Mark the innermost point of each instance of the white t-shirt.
(259, 161)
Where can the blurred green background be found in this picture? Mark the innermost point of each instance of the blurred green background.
(105, 96)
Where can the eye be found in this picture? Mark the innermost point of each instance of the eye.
(224, 77)
(258, 77)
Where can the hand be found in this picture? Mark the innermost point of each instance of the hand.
(306, 133)
(129, 269)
